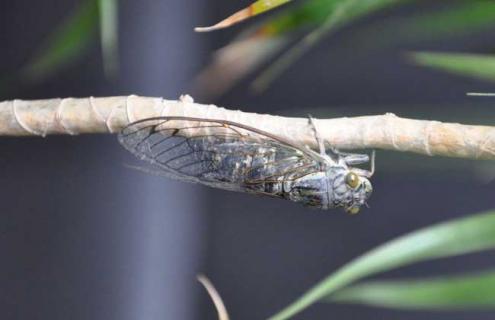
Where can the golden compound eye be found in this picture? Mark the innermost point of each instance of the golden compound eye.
(354, 210)
(352, 180)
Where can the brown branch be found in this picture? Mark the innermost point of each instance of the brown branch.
(110, 115)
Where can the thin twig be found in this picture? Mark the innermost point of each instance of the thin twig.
(215, 297)
(111, 114)
(480, 94)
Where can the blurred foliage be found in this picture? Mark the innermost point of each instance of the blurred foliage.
(461, 236)
(470, 291)
(287, 35)
(311, 20)
(457, 20)
(254, 9)
(451, 22)
(471, 65)
(317, 17)
(65, 44)
(69, 41)
(339, 13)
(108, 14)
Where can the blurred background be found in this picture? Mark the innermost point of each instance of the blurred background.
(82, 236)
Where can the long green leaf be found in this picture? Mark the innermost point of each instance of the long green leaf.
(65, 44)
(109, 35)
(470, 65)
(452, 238)
(475, 291)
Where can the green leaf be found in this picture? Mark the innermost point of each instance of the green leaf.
(340, 13)
(320, 16)
(254, 9)
(471, 65)
(262, 6)
(453, 21)
(461, 236)
(255, 46)
(307, 15)
(475, 291)
(66, 44)
(109, 33)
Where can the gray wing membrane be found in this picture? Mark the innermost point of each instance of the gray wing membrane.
(216, 153)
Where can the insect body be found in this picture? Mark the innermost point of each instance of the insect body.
(236, 157)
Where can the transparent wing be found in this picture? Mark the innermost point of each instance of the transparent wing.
(217, 153)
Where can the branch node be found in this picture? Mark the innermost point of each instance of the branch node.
(127, 108)
(186, 98)
(426, 138)
(21, 123)
(60, 119)
(390, 132)
(100, 116)
(485, 146)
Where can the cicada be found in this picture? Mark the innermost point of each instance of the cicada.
(236, 157)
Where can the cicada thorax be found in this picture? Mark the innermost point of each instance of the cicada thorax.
(258, 168)
(331, 187)
(243, 166)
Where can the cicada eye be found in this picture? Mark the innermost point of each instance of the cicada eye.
(352, 180)
(354, 210)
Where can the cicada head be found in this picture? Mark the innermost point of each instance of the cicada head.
(348, 189)
(338, 187)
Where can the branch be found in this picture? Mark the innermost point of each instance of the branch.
(111, 114)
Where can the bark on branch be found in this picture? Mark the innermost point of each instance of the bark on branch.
(111, 114)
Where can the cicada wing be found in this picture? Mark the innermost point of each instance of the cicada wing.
(217, 153)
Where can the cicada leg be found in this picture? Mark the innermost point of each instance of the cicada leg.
(352, 159)
(319, 140)
(372, 163)
(328, 152)
(349, 158)
(362, 172)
